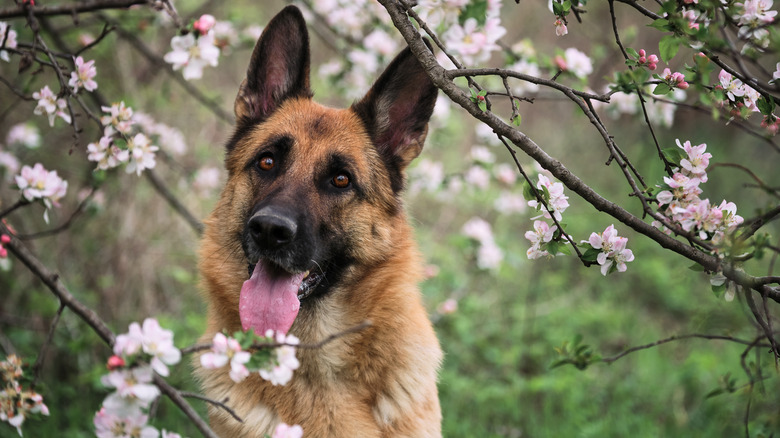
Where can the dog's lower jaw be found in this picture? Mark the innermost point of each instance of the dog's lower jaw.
(355, 385)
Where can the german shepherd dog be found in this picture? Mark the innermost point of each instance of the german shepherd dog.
(312, 206)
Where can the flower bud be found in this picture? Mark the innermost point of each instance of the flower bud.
(5, 239)
(204, 24)
(115, 362)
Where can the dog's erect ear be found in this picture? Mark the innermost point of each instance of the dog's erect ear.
(396, 111)
(279, 68)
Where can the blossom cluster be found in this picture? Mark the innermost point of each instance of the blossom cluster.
(128, 139)
(16, 402)
(367, 22)
(7, 40)
(738, 94)
(679, 200)
(201, 47)
(50, 105)
(547, 240)
(138, 354)
(752, 17)
(37, 183)
(489, 255)
(612, 253)
(277, 367)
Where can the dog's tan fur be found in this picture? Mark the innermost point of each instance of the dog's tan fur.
(380, 381)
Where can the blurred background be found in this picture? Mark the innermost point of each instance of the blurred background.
(129, 255)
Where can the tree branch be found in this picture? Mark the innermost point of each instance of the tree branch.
(69, 9)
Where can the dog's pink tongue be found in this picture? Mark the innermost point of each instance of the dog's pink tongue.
(269, 300)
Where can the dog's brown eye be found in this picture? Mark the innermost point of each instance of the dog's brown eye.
(341, 181)
(266, 163)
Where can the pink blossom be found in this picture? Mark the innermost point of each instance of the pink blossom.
(510, 203)
(481, 154)
(776, 73)
(102, 152)
(730, 217)
(109, 424)
(542, 233)
(152, 340)
(142, 154)
(281, 368)
(613, 250)
(674, 79)
(505, 173)
(694, 216)
(115, 362)
(380, 42)
(478, 229)
(558, 202)
(771, 124)
(732, 86)
(7, 40)
(119, 118)
(38, 183)
(10, 163)
(478, 177)
(224, 350)
(284, 430)
(166, 434)
(448, 306)
(697, 161)
(134, 389)
(753, 16)
(560, 27)
(204, 23)
(158, 343)
(576, 62)
(650, 61)
(472, 44)
(24, 134)
(192, 56)
(489, 256)
(50, 105)
(83, 76)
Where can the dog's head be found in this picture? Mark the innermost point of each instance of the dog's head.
(312, 190)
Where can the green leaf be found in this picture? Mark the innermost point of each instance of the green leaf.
(591, 254)
(482, 105)
(673, 154)
(696, 267)
(661, 24)
(766, 106)
(516, 120)
(631, 52)
(557, 8)
(719, 290)
(714, 392)
(528, 192)
(668, 47)
(662, 88)
(476, 9)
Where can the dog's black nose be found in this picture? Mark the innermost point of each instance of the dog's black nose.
(270, 229)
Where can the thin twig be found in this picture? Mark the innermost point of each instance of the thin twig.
(173, 201)
(176, 397)
(680, 337)
(53, 282)
(68, 9)
(264, 346)
(218, 404)
(36, 369)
